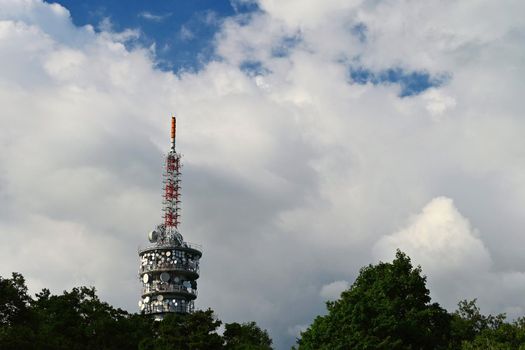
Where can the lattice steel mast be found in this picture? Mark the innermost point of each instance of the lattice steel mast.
(169, 267)
(172, 183)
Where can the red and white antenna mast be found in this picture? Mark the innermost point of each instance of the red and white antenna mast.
(172, 188)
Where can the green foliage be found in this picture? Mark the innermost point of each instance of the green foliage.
(246, 336)
(389, 307)
(186, 332)
(80, 320)
(468, 322)
(14, 301)
(473, 331)
(17, 319)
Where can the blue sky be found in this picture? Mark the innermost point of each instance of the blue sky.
(182, 31)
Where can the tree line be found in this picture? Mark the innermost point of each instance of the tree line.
(387, 307)
(79, 320)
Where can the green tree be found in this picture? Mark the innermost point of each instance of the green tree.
(246, 336)
(80, 320)
(472, 330)
(387, 307)
(73, 320)
(193, 331)
(17, 319)
(14, 300)
(467, 322)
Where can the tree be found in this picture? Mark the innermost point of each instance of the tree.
(246, 336)
(14, 301)
(387, 307)
(17, 319)
(473, 331)
(193, 331)
(80, 320)
(73, 320)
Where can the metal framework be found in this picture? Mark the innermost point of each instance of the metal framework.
(169, 267)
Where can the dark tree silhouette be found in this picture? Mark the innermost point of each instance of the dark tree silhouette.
(78, 319)
(246, 336)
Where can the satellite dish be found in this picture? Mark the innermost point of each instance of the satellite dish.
(153, 236)
(164, 277)
(160, 298)
(145, 278)
(146, 299)
(168, 253)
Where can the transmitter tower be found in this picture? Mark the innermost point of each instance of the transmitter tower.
(169, 266)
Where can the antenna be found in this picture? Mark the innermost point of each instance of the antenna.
(173, 132)
(172, 183)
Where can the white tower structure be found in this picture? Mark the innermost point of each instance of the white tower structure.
(169, 266)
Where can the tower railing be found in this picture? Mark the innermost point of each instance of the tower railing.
(167, 288)
(193, 246)
(162, 308)
(168, 266)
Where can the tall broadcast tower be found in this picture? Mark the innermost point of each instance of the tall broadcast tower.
(169, 267)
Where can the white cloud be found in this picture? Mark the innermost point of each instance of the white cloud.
(437, 103)
(457, 262)
(291, 174)
(332, 291)
(440, 239)
(185, 33)
(153, 17)
(307, 13)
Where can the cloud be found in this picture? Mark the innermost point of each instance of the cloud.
(437, 103)
(440, 238)
(332, 291)
(296, 330)
(185, 33)
(456, 261)
(292, 173)
(154, 18)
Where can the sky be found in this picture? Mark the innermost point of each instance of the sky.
(317, 137)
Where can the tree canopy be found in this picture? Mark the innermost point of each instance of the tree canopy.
(78, 319)
(246, 336)
(389, 307)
